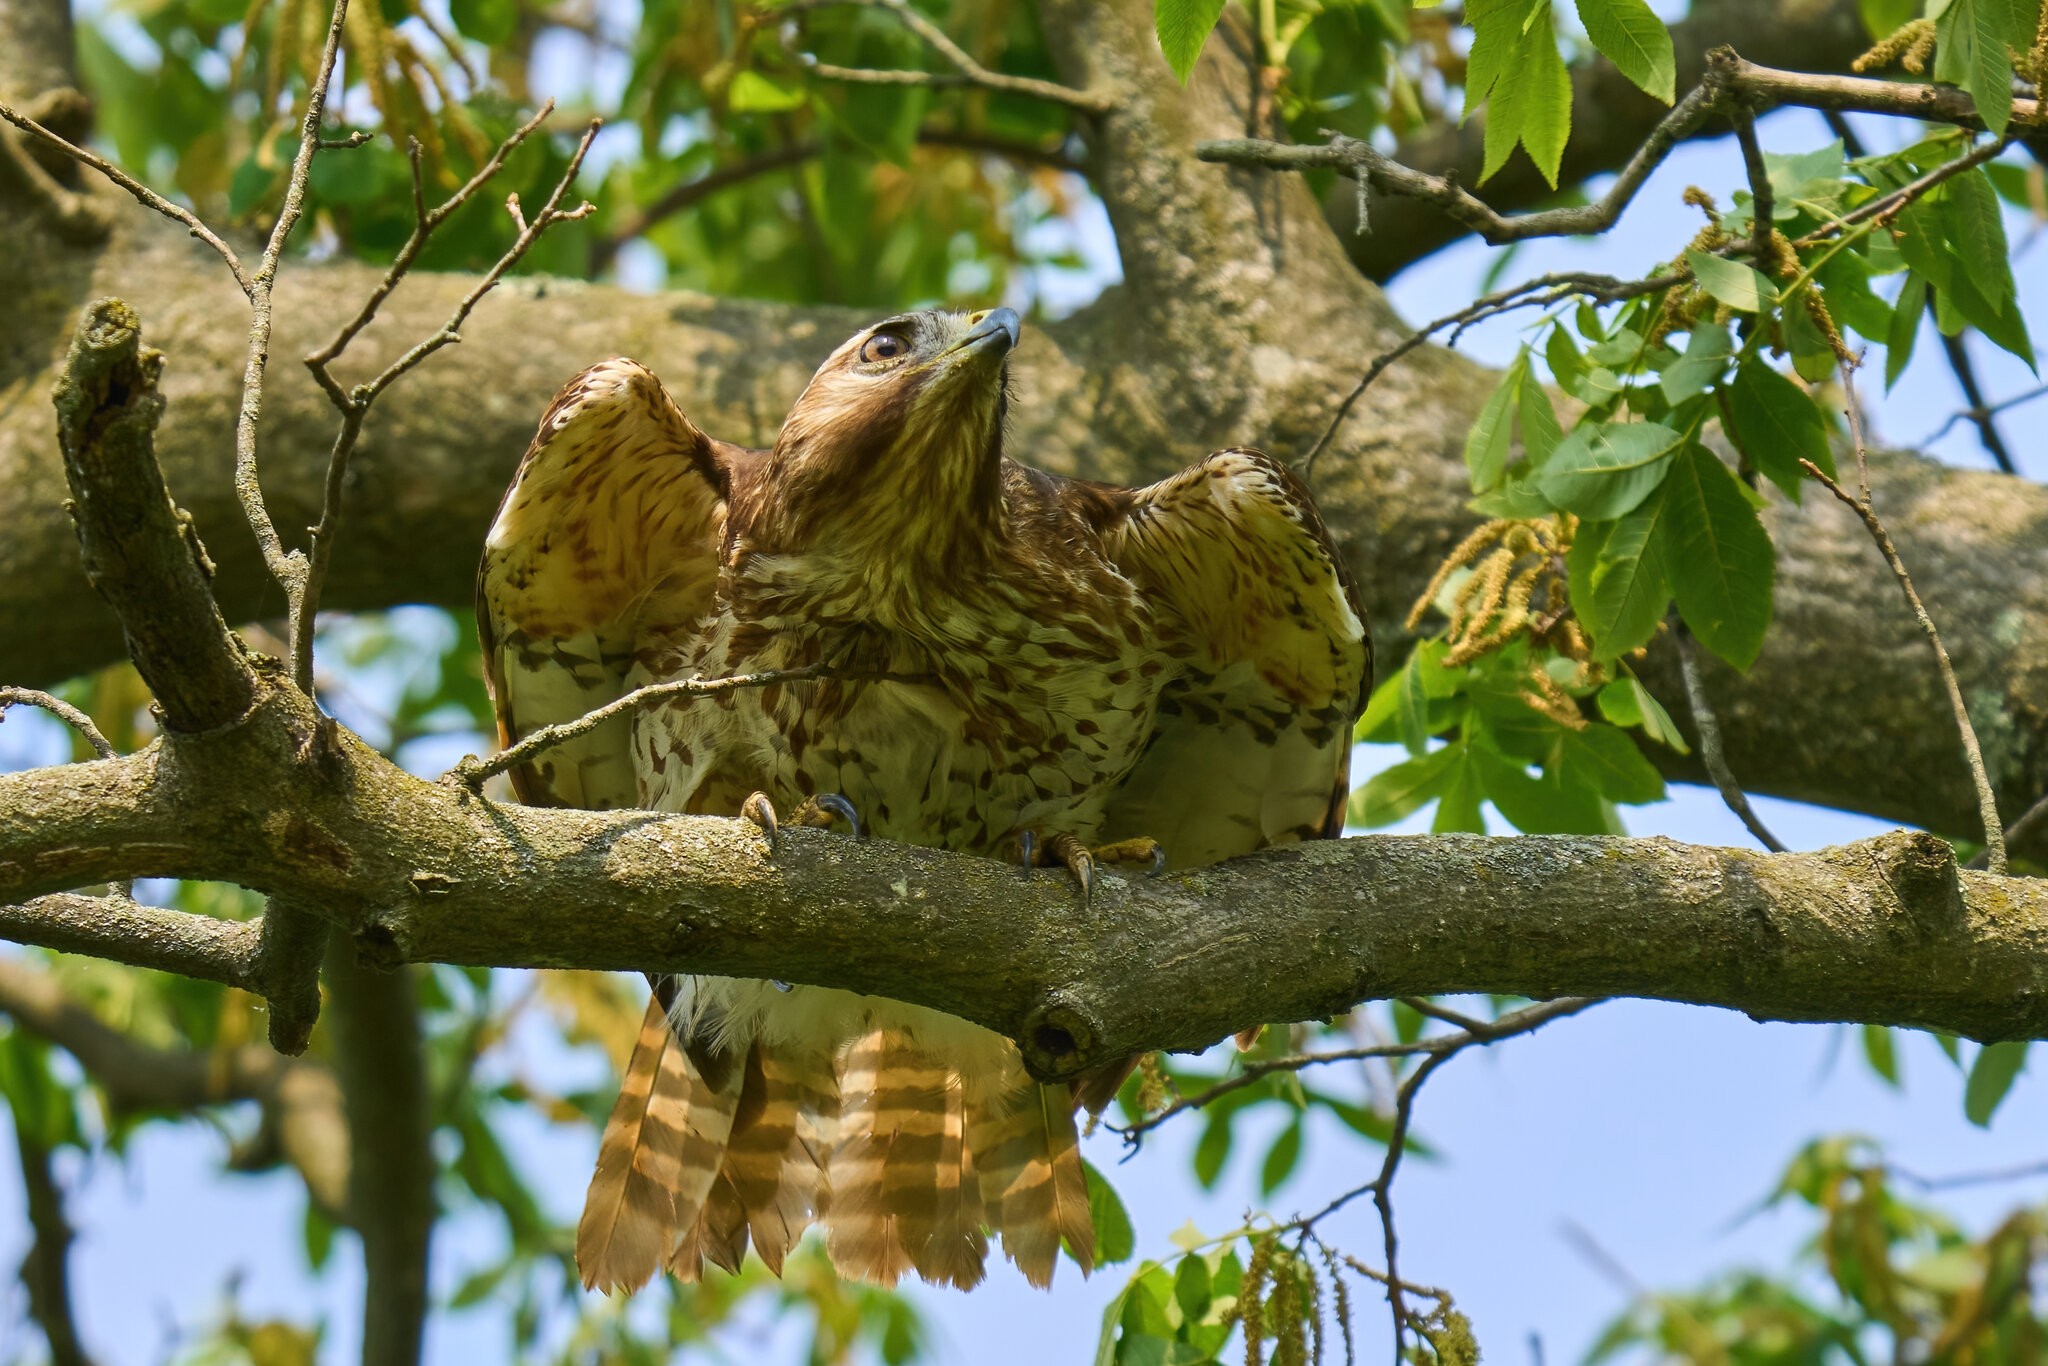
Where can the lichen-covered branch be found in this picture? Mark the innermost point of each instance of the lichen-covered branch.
(1886, 931)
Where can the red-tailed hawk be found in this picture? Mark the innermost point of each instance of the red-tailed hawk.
(1021, 666)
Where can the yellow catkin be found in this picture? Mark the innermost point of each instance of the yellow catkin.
(1701, 200)
(1290, 1344)
(1817, 309)
(1251, 1303)
(1784, 261)
(1152, 1089)
(1901, 46)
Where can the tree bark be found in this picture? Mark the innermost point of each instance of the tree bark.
(1886, 931)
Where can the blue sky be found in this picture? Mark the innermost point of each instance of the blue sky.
(1650, 1127)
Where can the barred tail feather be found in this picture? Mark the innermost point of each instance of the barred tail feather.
(1032, 1184)
(775, 1162)
(902, 1194)
(661, 1150)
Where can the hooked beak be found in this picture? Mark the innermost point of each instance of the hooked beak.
(999, 328)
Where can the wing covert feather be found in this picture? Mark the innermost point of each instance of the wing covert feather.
(1253, 742)
(607, 539)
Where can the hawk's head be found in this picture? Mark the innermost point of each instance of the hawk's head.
(898, 439)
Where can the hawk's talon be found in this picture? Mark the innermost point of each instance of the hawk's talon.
(1027, 846)
(833, 804)
(1158, 861)
(758, 809)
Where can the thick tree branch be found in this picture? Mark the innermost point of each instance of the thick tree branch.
(141, 552)
(1886, 931)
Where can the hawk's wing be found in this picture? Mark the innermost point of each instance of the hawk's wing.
(1253, 741)
(608, 539)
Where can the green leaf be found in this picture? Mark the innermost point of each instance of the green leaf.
(1212, 1149)
(1622, 584)
(1457, 807)
(1392, 795)
(1905, 329)
(1602, 470)
(1721, 560)
(1740, 287)
(1626, 702)
(1105, 1345)
(1604, 759)
(1884, 17)
(1516, 71)
(1813, 357)
(1486, 445)
(1776, 424)
(1115, 1240)
(1413, 714)
(1881, 1053)
(1629, 34)
(1540, 430)
(318, 1231)
(1699, 369)
(753, 93)
(490, 22)
(1991, 1077)
(1567, 366)
(1972, 38)
(1184, 25)
(1281, 1158)
(1191, 1289)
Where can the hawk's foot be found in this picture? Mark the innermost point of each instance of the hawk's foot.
(817, 812)
(1036, 851)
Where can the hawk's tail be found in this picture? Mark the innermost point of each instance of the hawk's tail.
(904, 1162)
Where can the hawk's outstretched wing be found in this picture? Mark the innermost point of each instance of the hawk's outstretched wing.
(607, 539)
(1253, 743)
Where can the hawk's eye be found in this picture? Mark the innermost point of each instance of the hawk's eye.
(882, 346)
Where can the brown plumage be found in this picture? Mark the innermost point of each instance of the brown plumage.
(1018, 659)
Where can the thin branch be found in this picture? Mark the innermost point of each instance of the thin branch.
(1762, 204)
(1708, 727)
(1958, 353)
(63, 711)
(122, 930)
(1987, 800)
(46, 1270)
(1997, 1176)
(1539, 292)
(288, 568)
(970, 72)
(1522, 1021)
(472, 771)
(147, 197)
(72, 213)
(688, 194)
(2032, 819)
(1973, 414)
(354, 404)
(1729, 79)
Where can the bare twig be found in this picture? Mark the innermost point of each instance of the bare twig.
(1973, 414)
(1997, 1176)
(472, 771)
(1729, 79)
(147, 197)
(354, 404)
(970, 72)
(1987, 800)
(1762, 203)
(287, 568)
(1539, 292)
(46, 1270)
(1523, 1021)
(1709, 728)
(2032, 819)
(1979, 412)
(63, 711)
(681, 197)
